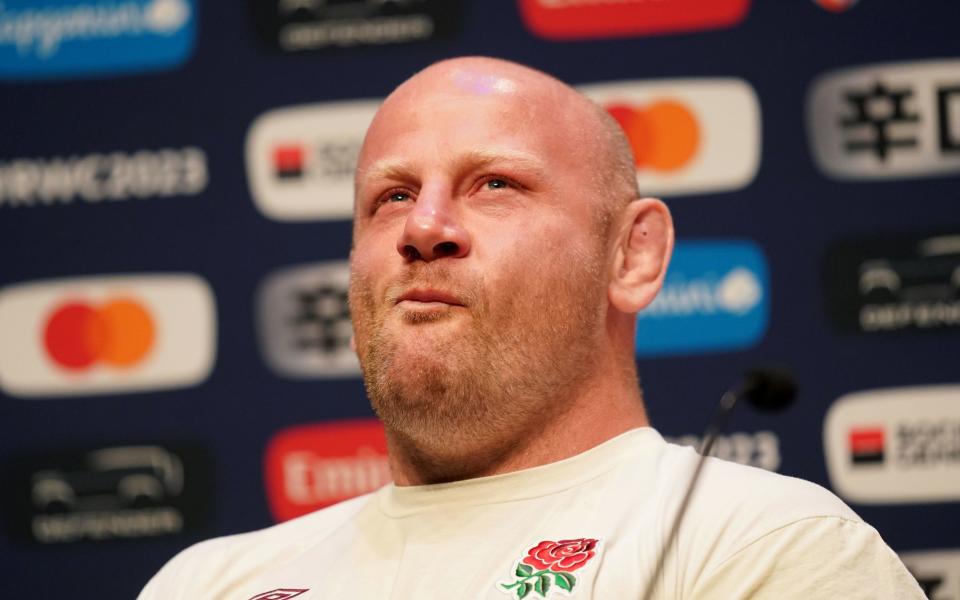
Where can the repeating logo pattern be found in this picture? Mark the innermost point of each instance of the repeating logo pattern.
(887, 121)
(94, 178)
(937, 572)
(304, 321)
(577, 19)
(312, 466)
(894, 283)
(303, 25)
(105, 493)
(689, 136)
(112, 334)
(300, 160)
(836, 6)
(898, 445)
(715, 298)
(52, 39)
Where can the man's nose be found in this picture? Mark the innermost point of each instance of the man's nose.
(433, 229)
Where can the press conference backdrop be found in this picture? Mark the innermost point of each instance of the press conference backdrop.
(175, 203)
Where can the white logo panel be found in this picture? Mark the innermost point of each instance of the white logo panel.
(897, 445)
(886, 121)
(689, 136)
(937, 572)
(91, 335)
(301, 159)
(304, 321)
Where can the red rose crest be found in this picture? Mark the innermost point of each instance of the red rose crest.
(554, 563)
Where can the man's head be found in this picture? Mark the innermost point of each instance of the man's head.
(500, 252)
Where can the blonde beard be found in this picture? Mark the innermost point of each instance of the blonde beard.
(472, 396)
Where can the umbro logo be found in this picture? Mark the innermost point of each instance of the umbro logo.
(280, 594)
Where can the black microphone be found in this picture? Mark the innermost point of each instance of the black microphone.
(766, 389)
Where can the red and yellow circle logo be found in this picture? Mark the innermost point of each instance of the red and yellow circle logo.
(118, 333)
(664, 135)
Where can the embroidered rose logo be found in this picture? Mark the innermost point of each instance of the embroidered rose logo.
(551, 564)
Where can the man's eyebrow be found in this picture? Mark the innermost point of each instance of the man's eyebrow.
(477, 158)
(483, 157)
(388, 168)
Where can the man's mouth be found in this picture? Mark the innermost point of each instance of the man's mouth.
(428, 296)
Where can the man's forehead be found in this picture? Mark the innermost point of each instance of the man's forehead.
(482, 82)
(486, 101)
(485, 107)
(474, 76)
(482, 79)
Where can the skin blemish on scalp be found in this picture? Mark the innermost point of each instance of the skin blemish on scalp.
(483, 84)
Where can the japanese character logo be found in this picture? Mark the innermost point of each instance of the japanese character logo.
(549, 565)
(875, 113)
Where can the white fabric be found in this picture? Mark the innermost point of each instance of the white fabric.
(747, 534)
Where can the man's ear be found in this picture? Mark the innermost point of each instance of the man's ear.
(644, 242)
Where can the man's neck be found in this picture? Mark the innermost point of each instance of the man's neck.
(599, 411)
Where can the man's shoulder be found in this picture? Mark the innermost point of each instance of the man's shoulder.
(735, 505)
(730, 487)
(307, 528)
(780, 495)
(233, 559)
(751, 529)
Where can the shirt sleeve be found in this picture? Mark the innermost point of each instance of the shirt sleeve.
(196, 572)
(810, 559)
(160, 585)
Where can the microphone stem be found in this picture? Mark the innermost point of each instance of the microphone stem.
(719, 421)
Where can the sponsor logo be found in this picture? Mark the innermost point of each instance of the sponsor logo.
(69, 38)
(311, 466)
(836, 6)
(715, 297)
(98, 177)
(280, 594)
(867, 445)
(581, 19)
(120, 332)
(757, 449)
(937, 572)
(300, 160)
(898, 445)
(896, 283)
(887, 121)
(304, 321)
(299, 25)
(92, 335)
(108, 493)
(689, 136)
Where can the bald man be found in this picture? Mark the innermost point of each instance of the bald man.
(501, 252)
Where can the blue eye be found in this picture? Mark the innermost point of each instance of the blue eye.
(398, 197)
(496, 184)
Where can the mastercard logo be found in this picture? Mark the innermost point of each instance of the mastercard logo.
(689, 136)
(119, 333)
(664, 135)
(106, 334)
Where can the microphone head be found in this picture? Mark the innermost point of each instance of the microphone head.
(769, 388)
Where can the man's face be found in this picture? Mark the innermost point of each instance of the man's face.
(477, 288)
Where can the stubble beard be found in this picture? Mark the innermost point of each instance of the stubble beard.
(464, 402)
